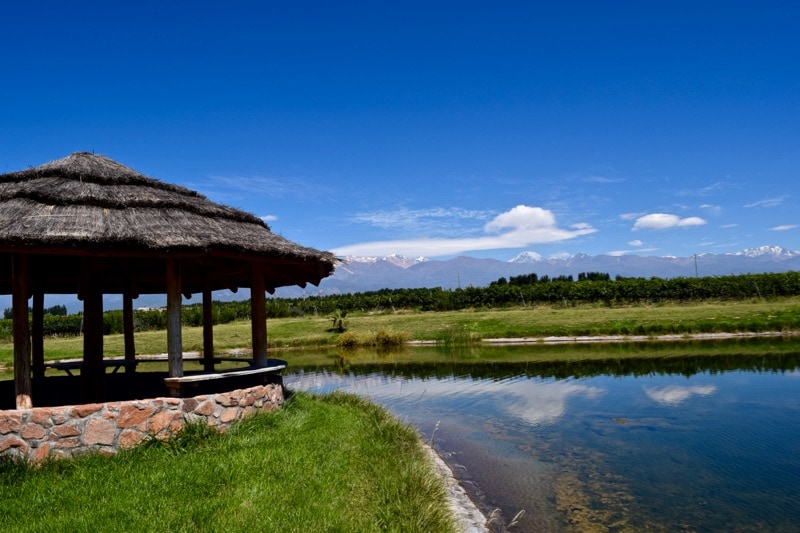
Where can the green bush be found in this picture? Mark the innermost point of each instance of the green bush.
(349, 339)
(60, 326)
(385, 338)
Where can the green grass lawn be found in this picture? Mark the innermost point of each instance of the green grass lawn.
(322, 463)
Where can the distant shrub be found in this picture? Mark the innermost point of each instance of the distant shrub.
(386, 337)
(461, 335)
(349, 339)
(59, 326)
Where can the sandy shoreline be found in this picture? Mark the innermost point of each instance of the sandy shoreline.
(587, 339)
(639, 338)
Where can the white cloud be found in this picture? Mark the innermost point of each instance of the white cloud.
(674, 395)
(269, 218)
(714, 188)
(619, 253)
(522, 217)
(630, 216)
(418, 219)
(580, 225)
(233, 188)
(635, 242)
(712, 209)
(726, 226)
(519, 227)
(768, 202)
(665, 221)
(603, 179)
(785, 227)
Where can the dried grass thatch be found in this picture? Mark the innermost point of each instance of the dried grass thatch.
(89, 204)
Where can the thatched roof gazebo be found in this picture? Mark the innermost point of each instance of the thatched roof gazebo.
(89, 226)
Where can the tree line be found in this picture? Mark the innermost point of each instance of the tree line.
(57, 323)
(531, 290)
(525, 290)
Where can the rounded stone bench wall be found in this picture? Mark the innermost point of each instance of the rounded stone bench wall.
(66, 431)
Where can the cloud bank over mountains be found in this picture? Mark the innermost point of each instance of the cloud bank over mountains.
(447, 231)
(517, 228)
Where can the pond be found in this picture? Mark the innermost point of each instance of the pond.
(708, 441)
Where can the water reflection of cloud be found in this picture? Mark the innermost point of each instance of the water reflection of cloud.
(530, 401)
(325, 382)
(545, 403)
(675, 394)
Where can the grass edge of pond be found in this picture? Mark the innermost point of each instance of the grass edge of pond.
(323, 462)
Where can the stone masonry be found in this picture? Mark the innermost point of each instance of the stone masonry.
(66, 431)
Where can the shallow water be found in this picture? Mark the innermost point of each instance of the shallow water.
(716, 448)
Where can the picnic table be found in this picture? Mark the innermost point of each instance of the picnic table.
(68, 365)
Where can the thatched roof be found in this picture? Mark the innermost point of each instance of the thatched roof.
(87, 204)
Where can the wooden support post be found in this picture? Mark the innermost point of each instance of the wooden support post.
(22, 338)
(174, 343)
(127, 328)
(92, 372)
(208, 330)
(258, 315)
(37, 334)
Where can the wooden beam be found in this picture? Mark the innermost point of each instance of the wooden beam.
(208, 330)
(92, 372)
(37, 334)
(258, 315)
(127, 328)
(174, 342)
(22, 338)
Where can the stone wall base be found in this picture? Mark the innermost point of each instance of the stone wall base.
(66, 431)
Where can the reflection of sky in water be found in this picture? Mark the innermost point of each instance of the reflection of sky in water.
(675, 394)
(526, 400)
(659, 449)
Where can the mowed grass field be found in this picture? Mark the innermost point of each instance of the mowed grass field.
(775, 315)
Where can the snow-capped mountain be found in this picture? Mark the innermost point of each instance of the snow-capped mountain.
(359, 274)
(527, 257)
(769, 251)
(395, 259)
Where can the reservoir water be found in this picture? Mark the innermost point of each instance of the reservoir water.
(694, 443)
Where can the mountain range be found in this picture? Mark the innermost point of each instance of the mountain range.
(360, 274)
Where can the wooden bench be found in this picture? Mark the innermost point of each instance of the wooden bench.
(177, 385)
(78, 364)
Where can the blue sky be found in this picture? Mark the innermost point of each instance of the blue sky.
(432, 128)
